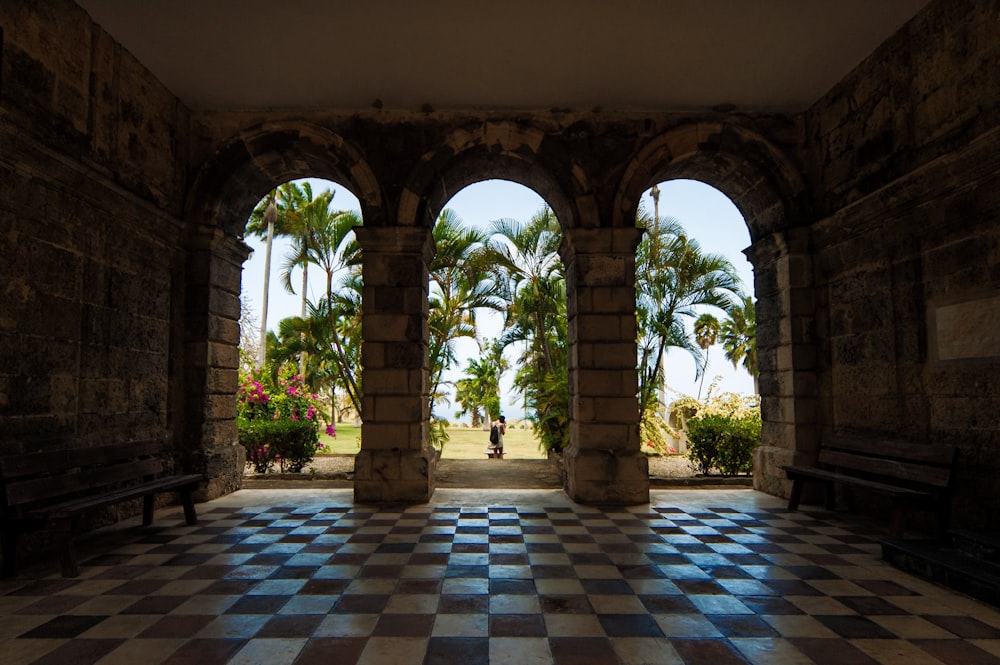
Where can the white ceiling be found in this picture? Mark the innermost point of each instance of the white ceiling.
(501, 54)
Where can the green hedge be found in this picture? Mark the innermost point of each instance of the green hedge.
(291, 444)
(723, 442)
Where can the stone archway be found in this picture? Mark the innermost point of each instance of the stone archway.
(603, 461)
(396, 462)
(224, 192)
(767, 188)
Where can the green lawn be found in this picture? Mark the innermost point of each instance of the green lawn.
(464, 443)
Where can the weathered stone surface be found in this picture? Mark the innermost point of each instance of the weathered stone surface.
(120, 212)
(394, 475)
(606, 476)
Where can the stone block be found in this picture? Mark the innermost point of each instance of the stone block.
(610, 355)
(223, 356)
(604, 436)
(397, 408)
(224, 303)
(602, 382)
(609, 300)
(408, 355)
(607, 409)
(219, 380)
(608, 477)
(394, 475)
(386, 435)
(601, 327)
(223, 467)
(768, 475)
(219, 407)
(386, 327)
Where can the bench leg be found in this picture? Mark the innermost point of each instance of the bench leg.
(898, 524)
(147, 509)
(187, 500)
(8, 547)
(829, 496)
(796, 495)
(63, 530)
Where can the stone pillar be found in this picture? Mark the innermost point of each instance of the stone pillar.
(603, 462)
(786, 356)
(211, 331)
(396, 462)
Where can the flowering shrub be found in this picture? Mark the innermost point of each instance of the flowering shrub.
(723, 441)
(723, 431)
(656, 435)
(277, 422)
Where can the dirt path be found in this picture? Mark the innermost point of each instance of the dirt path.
(338, 471)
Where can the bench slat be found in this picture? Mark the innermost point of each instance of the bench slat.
(67, 484)
(940, 455)
(912, 474)
(84, 504)
(870, 464)
(14, 467)
(833, 476)
(52, 489)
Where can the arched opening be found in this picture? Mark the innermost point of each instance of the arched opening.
(222, 197)
(504, 352)
(300, 331)
(697, 342)
(767, 188)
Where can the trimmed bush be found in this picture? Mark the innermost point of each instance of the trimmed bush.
(723, 442)
(291, 444)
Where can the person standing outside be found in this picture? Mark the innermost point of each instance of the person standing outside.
(501, 428)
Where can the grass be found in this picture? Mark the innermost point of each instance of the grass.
(463, 443)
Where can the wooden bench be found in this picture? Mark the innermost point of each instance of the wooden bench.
(51, 490)
(911, 475)
(494, 454)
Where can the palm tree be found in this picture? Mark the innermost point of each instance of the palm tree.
(675, 281)
(325, 239)
(739, 337)
(479, 391)
(458, 286)
(529, 275)
(323, 337)
(706, 331)
(273, 216)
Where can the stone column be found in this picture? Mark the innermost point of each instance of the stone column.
(211, 330)
(603, 462)
(786, 356)
(396, 462)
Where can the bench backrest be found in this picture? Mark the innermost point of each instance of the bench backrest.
(55, 474)
(915, 463)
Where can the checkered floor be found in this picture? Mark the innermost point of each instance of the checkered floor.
(520, 577)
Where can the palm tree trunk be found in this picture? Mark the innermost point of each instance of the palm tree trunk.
(704, 370)
(262, 351)
(302, 356)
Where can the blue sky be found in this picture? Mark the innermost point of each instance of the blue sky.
(707, 214)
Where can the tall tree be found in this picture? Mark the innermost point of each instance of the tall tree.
(458, 287)
(325, 239)
(528, 273)
(706, 332)
(675, 282)
(739, 337)
(274, 216)
(478, 392)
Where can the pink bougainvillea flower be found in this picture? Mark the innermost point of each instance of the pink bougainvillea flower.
(331, 430)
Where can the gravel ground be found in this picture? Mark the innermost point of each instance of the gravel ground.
(338, 470)
(675, 466)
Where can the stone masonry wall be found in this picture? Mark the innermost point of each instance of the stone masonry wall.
(91, 283)
(907, 172)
